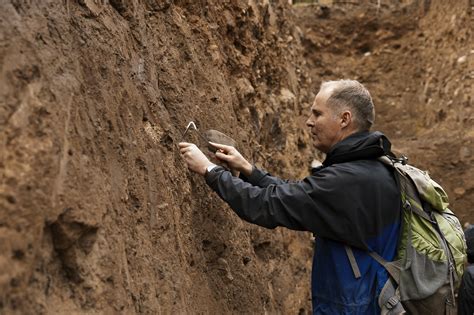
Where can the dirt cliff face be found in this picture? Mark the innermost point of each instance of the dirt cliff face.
(99, 213)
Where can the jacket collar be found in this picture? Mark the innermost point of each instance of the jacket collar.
(358, 146)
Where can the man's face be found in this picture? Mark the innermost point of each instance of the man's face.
(325, 126)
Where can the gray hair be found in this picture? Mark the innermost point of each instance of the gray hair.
(353, 95)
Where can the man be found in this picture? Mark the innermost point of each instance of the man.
(351, 201)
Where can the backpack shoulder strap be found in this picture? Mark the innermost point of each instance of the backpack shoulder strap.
(352, 261)
(409, 194)
(392, 267)
(389, 298)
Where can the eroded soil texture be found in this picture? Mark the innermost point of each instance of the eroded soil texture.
(98, 213)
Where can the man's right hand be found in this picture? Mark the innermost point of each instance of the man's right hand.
(233, 158)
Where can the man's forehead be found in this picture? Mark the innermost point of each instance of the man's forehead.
(325, 93)
(321, 98)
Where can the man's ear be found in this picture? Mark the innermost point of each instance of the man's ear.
(346, 118)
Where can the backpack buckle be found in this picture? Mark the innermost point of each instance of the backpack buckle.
(403, 160)
(392, 302)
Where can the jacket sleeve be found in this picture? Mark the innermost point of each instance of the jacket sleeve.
(305, 205)
(261, 178)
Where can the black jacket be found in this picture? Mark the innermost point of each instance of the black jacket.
(350, 199)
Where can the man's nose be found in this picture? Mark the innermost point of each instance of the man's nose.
(309, 122)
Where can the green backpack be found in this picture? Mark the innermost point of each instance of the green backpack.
(431, 251)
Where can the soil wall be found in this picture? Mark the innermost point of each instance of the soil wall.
(98, 211)
(99, 214)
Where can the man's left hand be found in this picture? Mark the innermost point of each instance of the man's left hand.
(196, 160)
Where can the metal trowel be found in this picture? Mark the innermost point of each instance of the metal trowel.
(211, 135)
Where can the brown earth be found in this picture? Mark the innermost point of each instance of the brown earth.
(98, 212)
